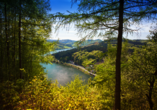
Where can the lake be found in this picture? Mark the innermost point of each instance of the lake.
(62, 73)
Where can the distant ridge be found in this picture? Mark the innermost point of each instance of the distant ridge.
(68, 40)
(67, 43)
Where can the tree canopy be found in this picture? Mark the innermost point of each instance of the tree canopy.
(108, 18)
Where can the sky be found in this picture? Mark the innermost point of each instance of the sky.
(64, 5)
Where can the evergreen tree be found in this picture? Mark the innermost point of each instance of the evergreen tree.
(107, 18)
(25, 26)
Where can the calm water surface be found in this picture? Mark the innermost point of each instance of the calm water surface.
(63, 73)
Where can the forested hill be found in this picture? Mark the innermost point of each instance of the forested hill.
(67, 43)
(102, 46)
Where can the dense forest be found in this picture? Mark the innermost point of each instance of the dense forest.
(66, 56)
(126, 77)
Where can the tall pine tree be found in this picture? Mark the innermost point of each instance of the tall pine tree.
(108, 18)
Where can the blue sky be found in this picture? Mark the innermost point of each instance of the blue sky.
(64, 5)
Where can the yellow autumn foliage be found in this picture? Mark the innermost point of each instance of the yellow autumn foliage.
(44, 95)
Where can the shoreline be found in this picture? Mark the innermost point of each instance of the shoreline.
(77, 67)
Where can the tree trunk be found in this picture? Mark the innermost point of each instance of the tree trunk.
(151, 85)
(118, 57)
(14, 44)
(7, 41)
(149, 96)
(20, 66)
(14, 54)
(1, 49)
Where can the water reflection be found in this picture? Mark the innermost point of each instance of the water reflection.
(63, 73)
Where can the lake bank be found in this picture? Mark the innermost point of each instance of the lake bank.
(77, 67)
(64, 74)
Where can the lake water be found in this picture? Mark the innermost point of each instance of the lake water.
(63, 73)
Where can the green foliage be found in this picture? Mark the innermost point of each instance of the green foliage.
(24, 29)
(138, 85)
(153, 34)
(88, 62)
(44, 95)
(9, 94)
(23, 47)
(102, 46)
(139, 78)
(86, 58)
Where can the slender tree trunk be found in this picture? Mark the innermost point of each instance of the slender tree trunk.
(14, 44)
(118, 57)
(8, 45)
(14, 54)
(149, 96)
(20, 65)
(1, 49)
(151, 85)
(6, 33)
(7, 41)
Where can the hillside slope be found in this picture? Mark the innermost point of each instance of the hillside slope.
(64, 44)
(102, 46)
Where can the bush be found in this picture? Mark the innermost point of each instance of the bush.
(43, 95)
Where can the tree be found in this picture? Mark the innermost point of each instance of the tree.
(142, 70)
(108, 16)
(20, 64)
(153, 34)
(25, 25)
(24, 28)
(118, 57)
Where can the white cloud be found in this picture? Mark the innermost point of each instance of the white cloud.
(70, 32)
(143, 31)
